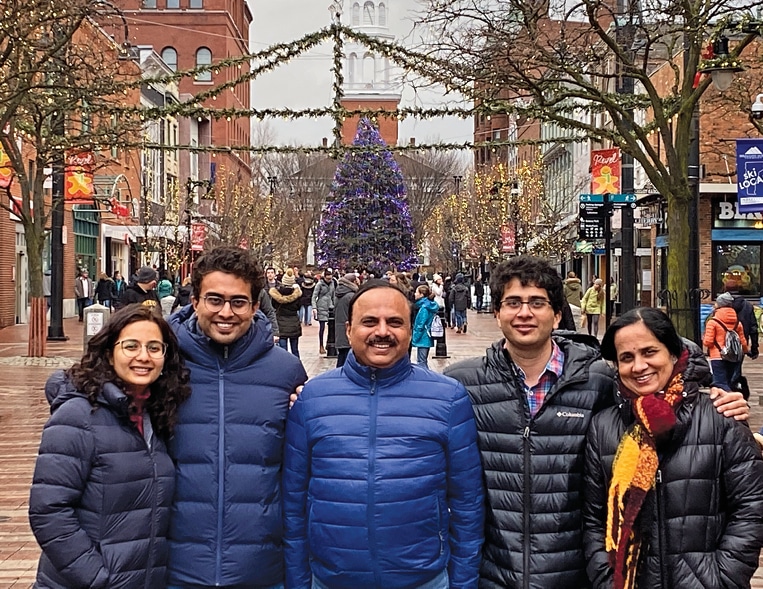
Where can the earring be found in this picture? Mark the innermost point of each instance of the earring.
(674, 359)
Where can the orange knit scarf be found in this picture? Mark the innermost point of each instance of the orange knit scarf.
(634, 471)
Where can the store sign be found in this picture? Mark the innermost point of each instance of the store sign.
(605, 171)
(508, 241)
(750, 175)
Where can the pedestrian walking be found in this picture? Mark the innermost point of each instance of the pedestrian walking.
(104, 289)
(103, 481)
(83, 292)
(346, 287)
(306, 300)
(723, 320)
(323, 304)
(228, 443)
(382, 490)
(285, 296)
(184, 294)
(119, 290)
(426, 310)
(479, 293)
(439, 292)
(592, 306)
(695, 471)
(460, 299)
(746, 315)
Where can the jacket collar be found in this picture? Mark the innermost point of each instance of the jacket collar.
(362, 375)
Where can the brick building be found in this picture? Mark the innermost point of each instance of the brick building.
(192, 33)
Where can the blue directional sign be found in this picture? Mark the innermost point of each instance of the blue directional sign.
(622, 198)
(592, 198)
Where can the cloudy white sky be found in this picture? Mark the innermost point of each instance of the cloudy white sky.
(306, 82)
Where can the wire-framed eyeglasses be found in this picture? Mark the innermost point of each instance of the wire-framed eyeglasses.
(132, 347)
(215, 304)
(534, 303)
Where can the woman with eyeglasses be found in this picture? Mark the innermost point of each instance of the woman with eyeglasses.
(103, 482)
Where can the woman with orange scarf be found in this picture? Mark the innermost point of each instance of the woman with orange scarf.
(673, 490)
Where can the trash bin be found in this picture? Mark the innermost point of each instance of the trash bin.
(95, 317)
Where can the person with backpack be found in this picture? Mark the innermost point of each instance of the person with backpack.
(746, 315)
(427, 310)
(725, 341)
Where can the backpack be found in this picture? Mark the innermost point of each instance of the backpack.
(436, 329)
(732, 347)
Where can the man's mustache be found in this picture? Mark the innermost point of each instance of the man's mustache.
(382, 340)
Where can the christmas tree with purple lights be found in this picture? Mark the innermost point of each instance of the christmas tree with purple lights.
(366, 222)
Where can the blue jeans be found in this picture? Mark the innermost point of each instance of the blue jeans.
(293, 344)
(723, 373)
(460, 318)
(441, 581)
(421, 356)
(306, 314)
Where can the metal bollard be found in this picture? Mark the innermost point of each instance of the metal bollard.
(331, 337)
(95, 317)
(440, 345)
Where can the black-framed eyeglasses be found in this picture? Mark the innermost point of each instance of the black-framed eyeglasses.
(215, 304)
(534, 303)
(132, 347)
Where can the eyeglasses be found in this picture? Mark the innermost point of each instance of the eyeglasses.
(215, 303)
(132, 347)
(535, 304)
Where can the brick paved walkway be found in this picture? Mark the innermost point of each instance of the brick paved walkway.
(23, 412)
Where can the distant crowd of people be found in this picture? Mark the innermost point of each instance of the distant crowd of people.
(193, 452)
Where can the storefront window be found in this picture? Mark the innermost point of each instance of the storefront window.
(737, 269)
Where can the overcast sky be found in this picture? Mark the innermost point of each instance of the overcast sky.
(306, 82)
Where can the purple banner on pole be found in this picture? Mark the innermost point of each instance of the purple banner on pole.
(750, 175)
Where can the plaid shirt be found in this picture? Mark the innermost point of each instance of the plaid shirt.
(536, 395)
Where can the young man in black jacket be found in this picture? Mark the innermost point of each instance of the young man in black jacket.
(533, 397)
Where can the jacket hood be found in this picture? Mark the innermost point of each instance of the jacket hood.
(726, 315)
(344, 288)
(424, 302)
(697, 370)
(198, 348)
(283, 294)
(574, 284)
(59, 389)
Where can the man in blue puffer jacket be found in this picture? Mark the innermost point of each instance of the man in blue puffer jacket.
(226, 524)
(382, 479)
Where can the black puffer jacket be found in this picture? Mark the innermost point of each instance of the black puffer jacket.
(704, 523)
(101, 495)
(534, 466)
(344, 293)
(286, 303)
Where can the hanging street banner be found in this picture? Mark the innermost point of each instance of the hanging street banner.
(198, 236)
(78, 177)
(6, 169)
(605, 171)
(750, 175)
(508, 241)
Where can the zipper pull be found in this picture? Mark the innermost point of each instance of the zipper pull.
(658, 477)
(373, 382)
(526, 434)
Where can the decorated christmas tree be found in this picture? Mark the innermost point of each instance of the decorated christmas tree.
(366, 222)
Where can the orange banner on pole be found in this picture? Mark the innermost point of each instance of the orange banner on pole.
(78, 177)
(6, 169)
(605, 171)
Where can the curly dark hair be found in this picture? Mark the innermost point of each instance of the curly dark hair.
(230, 260)
(529, 270)
(95, 369)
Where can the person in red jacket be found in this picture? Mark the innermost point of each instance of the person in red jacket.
(715, 338)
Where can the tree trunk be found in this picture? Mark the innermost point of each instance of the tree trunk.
(678, 295)
(37, 327)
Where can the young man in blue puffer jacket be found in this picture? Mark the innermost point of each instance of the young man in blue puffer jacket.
(382, 479)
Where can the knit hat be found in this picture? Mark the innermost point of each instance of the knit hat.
(146, 274)
(288, 278)
(459, 278)
(725, 300)
(598, 281)
(328, 272)
(436, 277)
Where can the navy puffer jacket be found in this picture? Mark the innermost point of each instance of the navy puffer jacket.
(703, 525)
(226, 526)
(534, 465)
(382, 480)
(101, 494)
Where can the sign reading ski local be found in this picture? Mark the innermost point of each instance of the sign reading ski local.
(750, 175)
